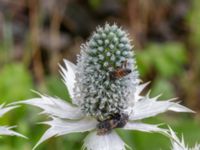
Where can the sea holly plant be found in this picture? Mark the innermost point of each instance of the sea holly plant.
(105, 91)
(5, 130)
(178, 144)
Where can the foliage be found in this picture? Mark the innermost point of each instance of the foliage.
(167, 60)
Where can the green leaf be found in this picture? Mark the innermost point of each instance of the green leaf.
(15, 83)
(144, 62)
(164, 87)
(55, 86)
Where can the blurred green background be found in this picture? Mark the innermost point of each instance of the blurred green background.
(35, 35)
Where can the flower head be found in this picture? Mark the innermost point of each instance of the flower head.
(4, 130)
(97, 91)
(105, 91)
(178, 144)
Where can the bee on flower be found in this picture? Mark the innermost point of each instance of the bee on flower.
(105, 88)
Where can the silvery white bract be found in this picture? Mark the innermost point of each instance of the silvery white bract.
(95, 96)
(178, 144)
(5, 130)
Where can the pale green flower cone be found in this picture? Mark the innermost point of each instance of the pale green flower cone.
(97, 94)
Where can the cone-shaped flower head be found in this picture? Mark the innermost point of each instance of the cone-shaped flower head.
(105, 90)
(98, 93)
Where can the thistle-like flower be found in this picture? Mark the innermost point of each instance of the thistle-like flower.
(178, 144)
(105, 91)
(5, 130)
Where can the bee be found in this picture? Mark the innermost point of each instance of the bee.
(117, 120)
(120, 72)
